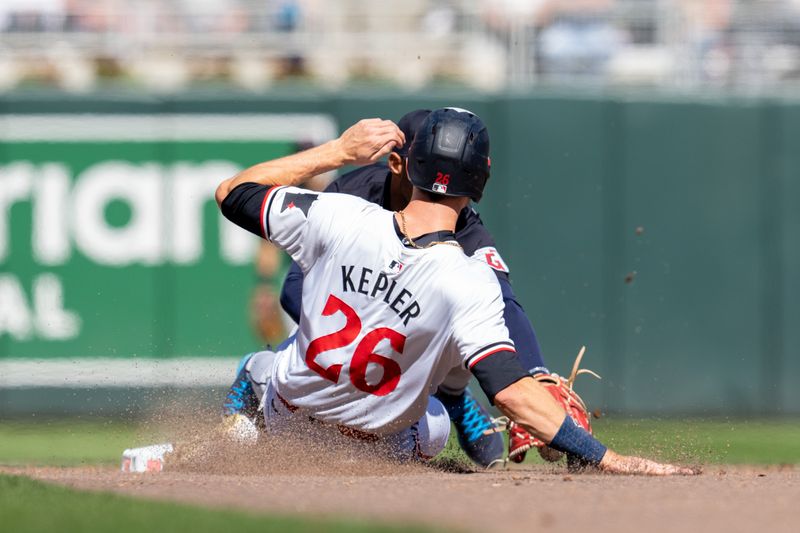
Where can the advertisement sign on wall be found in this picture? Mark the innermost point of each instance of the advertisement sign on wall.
(111, 245)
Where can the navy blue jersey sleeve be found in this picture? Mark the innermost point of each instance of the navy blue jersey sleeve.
(520, 329)
(292, 292)
(479, 244)
(334, 186)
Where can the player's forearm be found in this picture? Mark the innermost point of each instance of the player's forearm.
(364, 142)
(528, 403)
(290, 170)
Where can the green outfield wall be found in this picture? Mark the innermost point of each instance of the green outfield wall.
(662, 232)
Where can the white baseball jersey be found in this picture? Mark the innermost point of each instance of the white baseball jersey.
(381, 324)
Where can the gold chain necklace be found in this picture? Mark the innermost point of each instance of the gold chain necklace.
(411, 241)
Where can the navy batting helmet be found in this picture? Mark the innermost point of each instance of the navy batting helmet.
(409, 124)
(450, 154)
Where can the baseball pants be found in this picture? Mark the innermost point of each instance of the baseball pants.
(422, 441)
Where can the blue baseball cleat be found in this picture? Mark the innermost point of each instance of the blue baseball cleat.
(241, 398)
(471, 420)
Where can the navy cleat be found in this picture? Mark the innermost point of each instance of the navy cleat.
(241, 398)
(471, 421)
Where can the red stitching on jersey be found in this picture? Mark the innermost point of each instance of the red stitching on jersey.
(484, 356)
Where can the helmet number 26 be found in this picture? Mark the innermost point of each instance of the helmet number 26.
(363, 354)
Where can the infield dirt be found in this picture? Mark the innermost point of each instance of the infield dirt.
(316, 471)
(522, 499)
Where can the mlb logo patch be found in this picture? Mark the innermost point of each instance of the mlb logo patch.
(440, 188)
(394, 267)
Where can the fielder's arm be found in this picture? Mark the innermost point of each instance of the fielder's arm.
(520, 328)
(292, 292)
(528, 403)
(365, 142)
(479, 244)
(477, 321)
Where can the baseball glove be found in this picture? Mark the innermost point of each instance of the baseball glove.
(520, 441)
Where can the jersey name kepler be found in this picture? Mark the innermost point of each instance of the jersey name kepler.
(365, 282)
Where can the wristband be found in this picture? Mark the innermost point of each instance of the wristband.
(575, 440)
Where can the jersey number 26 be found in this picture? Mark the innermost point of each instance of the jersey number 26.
(363, 354)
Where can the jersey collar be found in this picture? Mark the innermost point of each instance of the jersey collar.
(423, 240)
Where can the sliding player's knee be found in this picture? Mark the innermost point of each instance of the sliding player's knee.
(434, 430)
(259, 369)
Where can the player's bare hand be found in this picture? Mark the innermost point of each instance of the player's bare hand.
(368, 140)
(615, 463)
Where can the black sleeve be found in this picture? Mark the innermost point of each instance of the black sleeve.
(520, 329)
(292, 292)
(243, 206)
(498, 371)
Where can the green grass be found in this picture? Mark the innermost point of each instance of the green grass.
(66, 442)
(71, 442)
(28, 505)
(705, 441)
(691, 441)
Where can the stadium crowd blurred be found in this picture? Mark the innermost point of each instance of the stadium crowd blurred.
(170, 44)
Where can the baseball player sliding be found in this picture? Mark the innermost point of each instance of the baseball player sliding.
(387, 185)
(392, 308)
